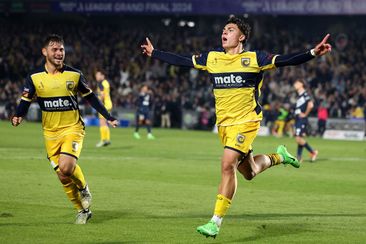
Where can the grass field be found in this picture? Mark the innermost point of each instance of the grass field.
(159, 191)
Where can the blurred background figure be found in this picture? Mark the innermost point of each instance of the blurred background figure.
(103, 91)
(322, 117)
(143, 113)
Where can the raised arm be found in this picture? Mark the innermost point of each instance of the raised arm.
(298, 58)
(167, 57)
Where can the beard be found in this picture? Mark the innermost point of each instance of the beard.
(55, 62)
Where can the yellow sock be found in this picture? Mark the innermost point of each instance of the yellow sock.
(72, 192)
(102, 133)
(275, 158)
(222, 205)
(78, 177)
(107, 134)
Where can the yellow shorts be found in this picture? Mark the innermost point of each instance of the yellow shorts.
(68, 142)
(239, 137)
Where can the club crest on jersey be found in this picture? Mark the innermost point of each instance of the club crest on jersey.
(75, 146)
(245, 62)
(70, 85)
(240, 138)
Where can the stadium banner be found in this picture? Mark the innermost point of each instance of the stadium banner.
(224, 7)
(344, 135)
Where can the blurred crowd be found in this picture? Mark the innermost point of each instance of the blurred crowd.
(337, 81)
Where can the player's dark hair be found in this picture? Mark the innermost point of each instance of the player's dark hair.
(52, 38)
(243, 27)
(101, 70)
(303, 82)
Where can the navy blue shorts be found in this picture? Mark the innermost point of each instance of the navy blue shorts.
(301, 127)
(143, 114)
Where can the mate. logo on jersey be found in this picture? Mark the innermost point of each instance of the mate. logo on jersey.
(54, 104)
(234, 80)
(245, 62)
(70, 85)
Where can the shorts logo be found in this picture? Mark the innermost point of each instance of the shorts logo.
(240, 138)
(75, 146)
(245, 62)
(70, 85)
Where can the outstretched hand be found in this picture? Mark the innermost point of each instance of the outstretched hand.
(113, 123)
(147, 48)
(323, 47)
(15, 121)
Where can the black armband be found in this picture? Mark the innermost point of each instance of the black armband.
(97, 105)
(22, 108)
(172, 58)
(293, 59)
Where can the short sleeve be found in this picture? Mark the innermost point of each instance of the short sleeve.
(28, 90)
(200, 61)
(265, 60)
(83, 87)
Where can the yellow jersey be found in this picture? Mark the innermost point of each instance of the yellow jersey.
(237, 80)
(57, 97)
(104, 94)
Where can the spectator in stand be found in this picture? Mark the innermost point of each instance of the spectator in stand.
(322, 117)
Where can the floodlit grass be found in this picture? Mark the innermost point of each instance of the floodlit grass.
(158, 191)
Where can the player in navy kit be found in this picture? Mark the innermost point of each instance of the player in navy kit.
(304, 105)
(143, 113)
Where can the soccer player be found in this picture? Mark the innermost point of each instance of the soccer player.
(143, 114)
(56, 86)
(304, 105)
(103, 91)
(237, 76)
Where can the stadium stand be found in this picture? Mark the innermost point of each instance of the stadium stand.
(338, 80)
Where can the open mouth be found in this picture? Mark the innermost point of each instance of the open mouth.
(224, 39)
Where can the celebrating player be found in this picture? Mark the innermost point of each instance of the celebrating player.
(304, 105)
(237, 77)
(56, 86)
(103, 92)
(143, 114)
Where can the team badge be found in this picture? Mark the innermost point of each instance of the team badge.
(75, 146)
(70, 85)
(240, 138)
(245, 61)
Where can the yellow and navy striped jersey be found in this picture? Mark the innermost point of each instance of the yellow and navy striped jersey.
(237, 80)
(104, 94)
(57, 96)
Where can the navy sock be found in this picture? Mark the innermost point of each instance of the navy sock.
(299, 151)
(148, 128)
(308, 147)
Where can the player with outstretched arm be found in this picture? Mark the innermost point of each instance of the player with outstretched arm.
(237, 76)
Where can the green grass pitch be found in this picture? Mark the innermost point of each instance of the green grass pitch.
(159, 191)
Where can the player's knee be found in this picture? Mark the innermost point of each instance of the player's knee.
(249, 175)
(227, 167)
(66, 169)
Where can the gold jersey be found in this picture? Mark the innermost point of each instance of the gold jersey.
(237, 80)
(104, 94)
(57, 97)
